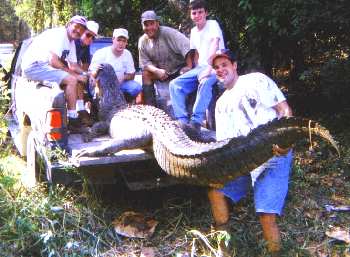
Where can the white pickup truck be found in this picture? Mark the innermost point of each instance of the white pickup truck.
(38, 125)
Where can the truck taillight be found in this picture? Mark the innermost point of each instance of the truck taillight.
(53, 119)
(54, 125)
(54, 136)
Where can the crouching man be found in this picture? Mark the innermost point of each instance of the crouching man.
(164, 53)
(122, 62)
(247, 102)
(52, 57)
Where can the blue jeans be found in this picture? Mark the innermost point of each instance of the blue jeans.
(184, 85)
(270, 187)
(131, 87)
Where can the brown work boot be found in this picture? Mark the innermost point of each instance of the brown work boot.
(224, 246)
(192, 130)
(85, 118)
(271, 233)
(74, 125)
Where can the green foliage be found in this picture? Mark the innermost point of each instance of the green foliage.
(11, 26)
(42, 14)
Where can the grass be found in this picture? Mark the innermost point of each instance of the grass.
(69, 222)
(76, 221)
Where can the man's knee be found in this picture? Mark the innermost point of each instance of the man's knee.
(70, 81)
(148, 77)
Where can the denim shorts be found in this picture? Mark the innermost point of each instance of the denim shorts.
(42, 71)
(270, 187)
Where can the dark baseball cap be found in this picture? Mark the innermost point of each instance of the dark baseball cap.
(149, 15)
(227, 53)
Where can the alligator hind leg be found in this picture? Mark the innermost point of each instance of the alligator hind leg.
(98, 129)
(113, 146)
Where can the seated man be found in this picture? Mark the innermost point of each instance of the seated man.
(83, 44)
(121, 61)
(206, 38)
(52, 57)
(84, 59)
(163, 54)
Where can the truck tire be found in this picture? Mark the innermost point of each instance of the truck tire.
(31, 174)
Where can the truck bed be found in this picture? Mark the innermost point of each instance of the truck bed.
(75, 143)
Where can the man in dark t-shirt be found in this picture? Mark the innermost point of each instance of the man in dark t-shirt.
(83, 44)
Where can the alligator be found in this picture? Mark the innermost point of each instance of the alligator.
(210, 164)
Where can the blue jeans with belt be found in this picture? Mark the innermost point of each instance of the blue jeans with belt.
(184, 85)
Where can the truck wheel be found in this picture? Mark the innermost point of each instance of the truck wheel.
(30, 176)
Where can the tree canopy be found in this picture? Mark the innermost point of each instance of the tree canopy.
(295, 38)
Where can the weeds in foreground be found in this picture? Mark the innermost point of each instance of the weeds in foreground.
(67, 222)
(61, 221)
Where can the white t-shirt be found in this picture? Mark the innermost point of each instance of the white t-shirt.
(121, 64)
(52, 40)
(201, 39)
(247, 105)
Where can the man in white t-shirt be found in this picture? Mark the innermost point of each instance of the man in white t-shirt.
(121, 61)
(52, 57)
(206, 38)
(249, 101)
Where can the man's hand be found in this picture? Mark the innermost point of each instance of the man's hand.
(82, 78)
(184, 69)
(278, 151)
(162, 74)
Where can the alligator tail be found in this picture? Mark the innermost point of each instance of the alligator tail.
(214, 164)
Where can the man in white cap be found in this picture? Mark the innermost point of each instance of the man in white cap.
(52, 57)
(163, 54)
(123, 64)
(83, 44)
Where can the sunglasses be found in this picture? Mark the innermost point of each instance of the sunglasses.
(89, 35)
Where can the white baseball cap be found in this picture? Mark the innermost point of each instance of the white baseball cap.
(121, 33)
(92, 26)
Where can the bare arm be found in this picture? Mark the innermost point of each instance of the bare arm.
(191, 60)
(73, 66)
(161, 74)
(56, 62)
(283, 109)
(214, 46)
(129, 76)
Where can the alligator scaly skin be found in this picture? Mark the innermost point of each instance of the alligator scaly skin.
(211, 164)
(218, 162)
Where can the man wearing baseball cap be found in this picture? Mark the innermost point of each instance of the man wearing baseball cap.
(249, 101)
(122, 62)
(83, 44)
(52, 57)
(84, 59)
(163, 54)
